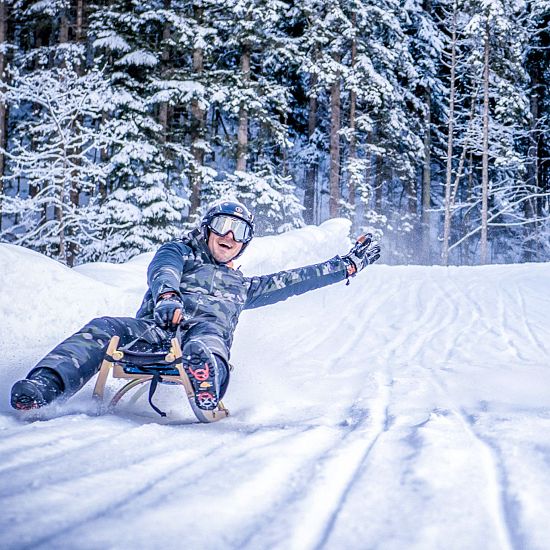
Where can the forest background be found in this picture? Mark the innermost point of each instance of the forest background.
(424, 121)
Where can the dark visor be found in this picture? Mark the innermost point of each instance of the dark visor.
(222, 225)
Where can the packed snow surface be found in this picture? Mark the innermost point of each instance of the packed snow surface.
(408, 410)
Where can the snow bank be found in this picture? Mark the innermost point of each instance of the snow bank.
(308, 245)
(409, 409)
(43, 301)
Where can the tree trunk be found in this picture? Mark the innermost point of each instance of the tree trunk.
(3, 108)
(197, 126)
(242, 132)
(66, 189)
(312, 168)
(79, 33)
(70, 193)
(412, 202)
(80, 37)
(79, 27)
(352, 147)
(426, 181)
(530, 207)
(165, 57)
(450, 137)
(352, 137)
(485, 154)
(64, 28)
(378, 182)
(334, 175)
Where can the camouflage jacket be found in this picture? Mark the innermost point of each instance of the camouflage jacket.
(214, 294)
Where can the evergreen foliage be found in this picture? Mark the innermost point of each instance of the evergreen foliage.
(425, 121)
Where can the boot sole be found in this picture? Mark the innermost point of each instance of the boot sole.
(25, 396)
(201, 369)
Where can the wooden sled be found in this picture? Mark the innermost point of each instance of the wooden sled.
(139, 368)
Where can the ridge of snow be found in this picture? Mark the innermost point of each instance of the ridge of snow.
(409, 409)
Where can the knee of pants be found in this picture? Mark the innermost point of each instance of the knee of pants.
(103, 328)
(101, 323)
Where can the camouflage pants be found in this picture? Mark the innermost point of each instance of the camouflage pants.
(79, 357)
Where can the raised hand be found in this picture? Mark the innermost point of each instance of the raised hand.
(363, 253)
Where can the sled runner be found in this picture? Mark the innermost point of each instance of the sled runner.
(140, 367)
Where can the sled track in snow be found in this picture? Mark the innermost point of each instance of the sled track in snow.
(320, 489)
(325, 479)
(503, 506)
(528, 329)
(505, 511)
(116, 504)
(359, 430)
(383, 431)
(361, 466)
(323, 488)
(46, 451)
(507, 507)
(176, 473)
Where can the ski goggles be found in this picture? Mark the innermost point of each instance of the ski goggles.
(222, 225)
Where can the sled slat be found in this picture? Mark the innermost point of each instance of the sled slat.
(106, 366)
(112, 363)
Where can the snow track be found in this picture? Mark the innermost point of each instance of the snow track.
(409, 410)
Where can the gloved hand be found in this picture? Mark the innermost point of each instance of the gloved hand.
(168, 311)
(363, 253)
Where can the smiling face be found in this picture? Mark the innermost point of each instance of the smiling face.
(225, 248)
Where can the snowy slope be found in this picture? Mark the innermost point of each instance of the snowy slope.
(410, 409)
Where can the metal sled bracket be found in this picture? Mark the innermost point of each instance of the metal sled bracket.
(112, 364)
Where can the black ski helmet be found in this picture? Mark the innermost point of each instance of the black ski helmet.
(232, 208)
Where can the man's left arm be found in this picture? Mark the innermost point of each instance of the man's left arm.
(269, 289)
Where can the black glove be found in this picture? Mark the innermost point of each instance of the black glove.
(363, 253)
(168, 311)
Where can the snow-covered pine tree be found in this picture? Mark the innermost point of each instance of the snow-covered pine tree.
(382, 113)
(53, 153)
(494, 84)
(536, 232)
(143, 204)
(55, 133)
(184, 88)
(251, 102)
(427, 42)
(310, 146)
(326, 40)
(4, 46)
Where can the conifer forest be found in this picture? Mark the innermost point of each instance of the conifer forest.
(425, 122)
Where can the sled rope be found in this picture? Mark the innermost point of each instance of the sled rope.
(152, 389)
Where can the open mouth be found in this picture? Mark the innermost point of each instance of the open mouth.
(225, 245)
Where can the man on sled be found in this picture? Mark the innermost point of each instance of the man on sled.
(194, 288)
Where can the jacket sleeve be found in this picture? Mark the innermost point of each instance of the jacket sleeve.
(165, 270)
(269, 289)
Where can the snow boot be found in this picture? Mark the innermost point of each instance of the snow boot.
(40, 388)
(203, 372)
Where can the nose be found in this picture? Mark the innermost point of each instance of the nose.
(229, 235)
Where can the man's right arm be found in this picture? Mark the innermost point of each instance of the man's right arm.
(165, 270)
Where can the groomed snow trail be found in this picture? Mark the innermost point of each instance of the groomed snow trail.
(408, 410)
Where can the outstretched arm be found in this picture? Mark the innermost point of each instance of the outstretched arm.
(269, 289)
(276, 287)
